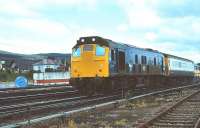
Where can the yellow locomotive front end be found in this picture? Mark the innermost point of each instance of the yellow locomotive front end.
(89, 60)
(89, 64)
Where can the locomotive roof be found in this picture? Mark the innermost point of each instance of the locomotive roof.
(177, 57)
(113, 44)
(88, 40)
(106, 42)
(96, 40)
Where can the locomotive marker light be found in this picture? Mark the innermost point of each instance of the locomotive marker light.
(93, 39)
(21, 82)
(82, 40)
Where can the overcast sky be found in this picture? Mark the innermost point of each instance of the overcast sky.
(40, 26)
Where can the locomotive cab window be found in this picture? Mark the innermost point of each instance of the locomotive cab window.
(76, 52)
(100, 51)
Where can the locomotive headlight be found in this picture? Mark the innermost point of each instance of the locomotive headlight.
(82, 40)
(93, 39)
(101, 66)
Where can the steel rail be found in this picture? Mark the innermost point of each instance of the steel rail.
(34, 87)
(80, 102)
(106, 103)
(154, 119)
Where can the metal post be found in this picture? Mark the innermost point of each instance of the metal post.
(122, 92)
(29, 115)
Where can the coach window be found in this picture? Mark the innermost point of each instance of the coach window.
(76, 52)
(136, 59)
(100, 51)
(154, 61)
(179, 65)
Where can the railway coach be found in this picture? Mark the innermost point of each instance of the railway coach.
(178, 70)
(102, 65)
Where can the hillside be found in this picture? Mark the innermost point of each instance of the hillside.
(25, 62)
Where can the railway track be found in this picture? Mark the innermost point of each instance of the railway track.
(46, 96)
(39, 105)
(38, 109)
(16, 103)
(183, 114)
(33, 90)
(29, 87)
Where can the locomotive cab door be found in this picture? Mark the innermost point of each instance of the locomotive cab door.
(120, 57)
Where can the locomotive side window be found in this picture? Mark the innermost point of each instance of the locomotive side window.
(112, 55)
(76, 52)
(144, 59)
(100, 51)
(136, 59)
(154, 61)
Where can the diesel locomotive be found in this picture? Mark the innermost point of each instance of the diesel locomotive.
(101, 65)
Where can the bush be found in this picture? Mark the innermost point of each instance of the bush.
(11, 76)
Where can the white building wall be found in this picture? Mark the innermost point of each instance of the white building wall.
(1, 64)
(51, 75)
